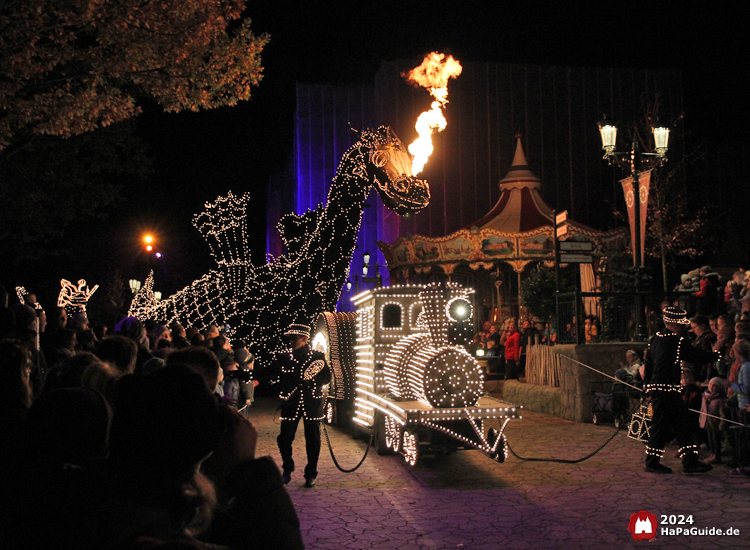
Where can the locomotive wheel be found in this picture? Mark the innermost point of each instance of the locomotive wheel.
(392, 433)
(381, 436)
(411, 448)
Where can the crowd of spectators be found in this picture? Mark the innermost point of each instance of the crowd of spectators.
(131, 438)
(721, 390)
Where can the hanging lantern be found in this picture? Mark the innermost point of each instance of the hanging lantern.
(135, 285)
(661, 139)
(608, 131)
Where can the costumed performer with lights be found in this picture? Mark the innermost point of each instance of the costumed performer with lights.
(662, 384)
(303, 378)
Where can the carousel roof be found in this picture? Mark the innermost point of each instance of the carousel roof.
(520, 207)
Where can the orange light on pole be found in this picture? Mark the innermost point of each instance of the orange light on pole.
(148, 239)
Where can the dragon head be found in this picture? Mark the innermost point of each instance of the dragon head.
(390, 166)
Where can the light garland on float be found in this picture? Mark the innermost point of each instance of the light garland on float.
(294, 288)
(414, 376)
(74, 297)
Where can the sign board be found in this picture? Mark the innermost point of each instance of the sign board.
(578, 246)
(561, 230)
(562, 217)
(576, 258)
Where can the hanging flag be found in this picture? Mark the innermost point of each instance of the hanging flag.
(645, 183)
(627, 188)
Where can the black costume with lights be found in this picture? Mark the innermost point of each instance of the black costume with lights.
(303, 377)
(662, 384)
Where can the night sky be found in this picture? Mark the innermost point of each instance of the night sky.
(199, 156)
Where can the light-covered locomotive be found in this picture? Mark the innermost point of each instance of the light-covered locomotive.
(401, 373)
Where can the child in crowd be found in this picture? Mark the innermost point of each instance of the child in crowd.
(712, 400)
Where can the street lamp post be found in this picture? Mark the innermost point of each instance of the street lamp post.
(635, 160)
(378, 278)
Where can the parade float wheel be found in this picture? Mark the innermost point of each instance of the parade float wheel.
(411, 447)
(382, 440)
(392, 433)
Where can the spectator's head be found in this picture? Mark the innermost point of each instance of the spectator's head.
(177, 330)
(200, 360)
(120, 352)
(57, 318)
(725, 323)
(197, 340)
(713, 322)
(26, 319)
(165, 424)
(161, 332)
(742, 327)
(687, 378)
(131, 327)
(212, 331)
(15, 367)
(79, 321)
(221, 342)
(486, 326)
(705, 270)
(700, 325)
(68, 426)
(101, 377)
(69, 373)
(631, 356)
(64, 339)
(716, 385)
(741, 349)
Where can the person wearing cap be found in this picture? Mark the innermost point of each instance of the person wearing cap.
(662, 371)
(303, 377)
(707, 294)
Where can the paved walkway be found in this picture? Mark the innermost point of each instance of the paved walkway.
(466, 501)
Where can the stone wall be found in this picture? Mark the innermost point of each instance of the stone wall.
(573, 399)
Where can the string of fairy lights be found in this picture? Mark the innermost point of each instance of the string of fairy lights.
(257, 303)
(410, 372)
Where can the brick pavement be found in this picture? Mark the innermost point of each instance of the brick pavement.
(466, 501)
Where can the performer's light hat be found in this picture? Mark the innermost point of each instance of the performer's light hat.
(676, 315)
(296, 329)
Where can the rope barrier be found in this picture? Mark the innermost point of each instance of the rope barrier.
(330, 448)
(562, 460)
(643, 391)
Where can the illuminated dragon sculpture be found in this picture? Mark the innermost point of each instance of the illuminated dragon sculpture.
(257, 303)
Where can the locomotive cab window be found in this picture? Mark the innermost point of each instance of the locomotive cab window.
(391, 315)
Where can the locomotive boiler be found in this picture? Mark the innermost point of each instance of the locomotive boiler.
(403, 375)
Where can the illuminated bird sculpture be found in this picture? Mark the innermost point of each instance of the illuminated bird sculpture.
(258, 302)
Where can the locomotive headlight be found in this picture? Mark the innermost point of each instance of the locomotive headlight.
(458, 309)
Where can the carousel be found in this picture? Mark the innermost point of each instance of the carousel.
(493, 253)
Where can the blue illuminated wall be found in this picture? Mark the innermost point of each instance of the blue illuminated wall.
(554, 108)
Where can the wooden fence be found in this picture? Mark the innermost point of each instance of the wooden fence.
(543, 365)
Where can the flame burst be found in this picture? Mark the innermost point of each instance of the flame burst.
(433, 74)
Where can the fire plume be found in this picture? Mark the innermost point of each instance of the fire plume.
(434, 72)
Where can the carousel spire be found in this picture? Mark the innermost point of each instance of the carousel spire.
(519, 175)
